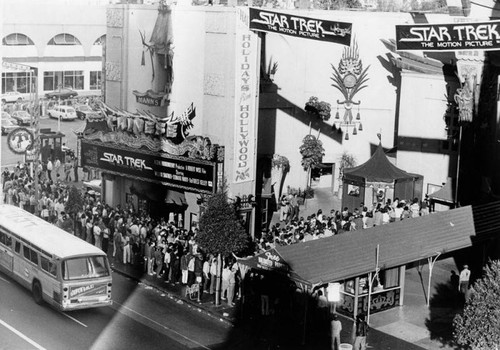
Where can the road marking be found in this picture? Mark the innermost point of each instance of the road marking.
(3, 279)
(163, 326)
(21, 335)
(74, 319)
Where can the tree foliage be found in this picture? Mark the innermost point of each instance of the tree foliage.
(312, 152)
(75, 201)
(221, 231)
(346, 161)
(478, 326)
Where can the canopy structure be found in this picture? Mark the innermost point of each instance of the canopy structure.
(378, 179)
(445, 194)
(353, 253)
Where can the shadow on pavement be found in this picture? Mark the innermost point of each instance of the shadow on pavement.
(444, 305)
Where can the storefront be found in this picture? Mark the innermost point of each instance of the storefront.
(386, 292)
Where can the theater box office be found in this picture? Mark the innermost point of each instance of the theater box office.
(162, 185)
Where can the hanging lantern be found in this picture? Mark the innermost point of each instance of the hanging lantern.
(358, 116)
(360, 127)
(347, 136)
(354, 131)
(143, 60)
(337, 115)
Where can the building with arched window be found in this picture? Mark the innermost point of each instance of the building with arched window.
(63, 45)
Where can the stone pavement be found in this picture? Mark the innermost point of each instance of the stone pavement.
(412, 326)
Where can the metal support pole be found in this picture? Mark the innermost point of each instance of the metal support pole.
(371, 279)
(431, 261)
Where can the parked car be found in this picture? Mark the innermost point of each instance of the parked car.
(62, 112)
(22, 117)
(12, 96)
(6, 115)
(84, 111)
(8, 125)
(62, 93)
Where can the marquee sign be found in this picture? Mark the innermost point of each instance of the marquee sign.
(245, 112)
(150, 98)
(194, 175)
(449, 37)
(301, 27)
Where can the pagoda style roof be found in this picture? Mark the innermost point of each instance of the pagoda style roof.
(377, 169)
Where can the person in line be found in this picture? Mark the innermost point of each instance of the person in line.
(336, 328)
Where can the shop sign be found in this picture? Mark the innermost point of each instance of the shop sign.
(149, 98)
(245, 108)
(271, 260)
(190, 174)
(301, 27)
(449, 37)
(380, 301)
(20, 140)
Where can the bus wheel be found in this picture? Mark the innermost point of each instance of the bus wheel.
(37, 293)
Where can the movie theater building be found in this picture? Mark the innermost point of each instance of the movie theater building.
(198, 85)
(180, 108)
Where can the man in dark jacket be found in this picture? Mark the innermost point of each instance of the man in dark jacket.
(361, 331)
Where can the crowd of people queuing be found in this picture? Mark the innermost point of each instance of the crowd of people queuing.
(293, 228)
(166, 252)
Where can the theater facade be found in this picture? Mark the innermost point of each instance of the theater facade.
(199, 95)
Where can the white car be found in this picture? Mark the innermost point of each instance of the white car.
(12, 96)
(22, 117)
(8, 125)
(62, 112)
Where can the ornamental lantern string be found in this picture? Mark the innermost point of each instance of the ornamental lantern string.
(349, 79)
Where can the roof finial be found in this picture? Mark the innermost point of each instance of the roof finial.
(379, 135)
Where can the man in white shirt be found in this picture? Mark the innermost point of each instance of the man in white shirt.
(463, 285)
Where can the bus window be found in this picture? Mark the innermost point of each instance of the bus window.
(86, 267)
(30, 254)
(18, 247)
(26, 252)
(8, 241)
(48, 266)
(3, 237)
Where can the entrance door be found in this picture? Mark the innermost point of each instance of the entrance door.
(6, 258)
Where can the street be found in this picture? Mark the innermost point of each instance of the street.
(141, 318)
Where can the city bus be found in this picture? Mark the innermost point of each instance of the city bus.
(57, 267)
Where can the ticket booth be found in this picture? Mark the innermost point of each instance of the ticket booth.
(51, 145)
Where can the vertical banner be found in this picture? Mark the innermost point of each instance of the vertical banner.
(245, 99)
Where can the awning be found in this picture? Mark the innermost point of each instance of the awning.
(175, 198)
(445, 193)
(352, 254)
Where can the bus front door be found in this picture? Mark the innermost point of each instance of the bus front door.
(6, 258)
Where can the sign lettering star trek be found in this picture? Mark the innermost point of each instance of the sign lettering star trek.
(449, 37)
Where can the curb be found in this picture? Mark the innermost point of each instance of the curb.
(177, 298)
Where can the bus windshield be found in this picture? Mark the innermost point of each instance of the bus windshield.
(85, 267)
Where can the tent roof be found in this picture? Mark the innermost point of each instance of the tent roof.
(445, 193)
(377, 169)
(352, 254)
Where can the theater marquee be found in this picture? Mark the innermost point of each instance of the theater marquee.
(189, 174)
(449, 37)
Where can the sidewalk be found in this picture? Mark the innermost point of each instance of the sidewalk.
(411, 327)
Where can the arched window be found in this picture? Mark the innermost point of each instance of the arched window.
(64, 39)
(17, 39)
(100, 40)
